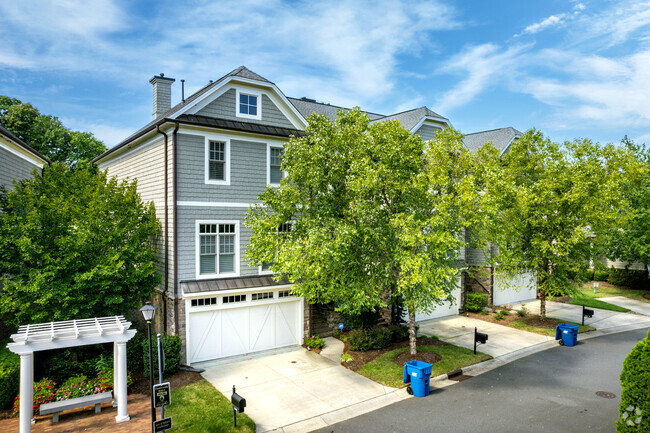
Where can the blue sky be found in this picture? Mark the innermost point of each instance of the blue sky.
(570, 68)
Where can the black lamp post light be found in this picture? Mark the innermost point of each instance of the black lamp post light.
(148, 312)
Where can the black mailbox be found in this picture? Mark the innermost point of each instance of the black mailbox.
(479, 337)
(586, 312)
(238, 402)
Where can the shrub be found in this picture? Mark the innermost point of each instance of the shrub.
(171, 346)
(9, 376)
(522, 312)
(399, 332)
(365, 319)
(634, 409)
(369, 339)
(44, 391)
(601, 272)
(628, 278)
(500, 316)
(134, 353)
(314, 342)
(476, 301)
(106, 374)
(346, 357)
(60, 366)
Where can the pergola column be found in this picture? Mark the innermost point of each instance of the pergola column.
(26, 391)
(115, 376)
(120, 385)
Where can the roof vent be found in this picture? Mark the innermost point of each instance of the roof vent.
(162, 94)
(304, 98)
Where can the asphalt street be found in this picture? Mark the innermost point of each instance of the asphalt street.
(550, 391)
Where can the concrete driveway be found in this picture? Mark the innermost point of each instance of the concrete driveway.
(297, 390)
(631, 304)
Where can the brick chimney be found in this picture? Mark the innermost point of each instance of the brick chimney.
(162, 94)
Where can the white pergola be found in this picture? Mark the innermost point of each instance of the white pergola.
(71, 333)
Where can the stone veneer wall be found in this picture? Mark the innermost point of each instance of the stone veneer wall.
(480, 280)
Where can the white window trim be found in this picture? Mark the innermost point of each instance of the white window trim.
(197, 248)
(238, 92)
(208, 139)
(268, 163)
(263, 272)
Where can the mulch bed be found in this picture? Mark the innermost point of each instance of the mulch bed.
(646, 295)
(177, 380)
(423, 356)
(507, 320)
(546, 324)
(313, 349)
(359, 359)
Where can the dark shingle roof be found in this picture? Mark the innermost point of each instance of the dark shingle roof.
(410, 118)
(500, 138)
(308, 106)
(200, 286)
(239, 126)
(22, 144)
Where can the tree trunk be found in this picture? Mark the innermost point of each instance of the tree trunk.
(542, 304)
(412, 341)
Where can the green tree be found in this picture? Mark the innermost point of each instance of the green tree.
(47, 134)
(634, 409)
(553, 200)
(631, 242)
(373, 211)
(74, 244)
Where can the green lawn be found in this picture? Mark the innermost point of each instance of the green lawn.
(386, 372)
(521, 324)
(602, 291)
(199, 407)
(588, 299)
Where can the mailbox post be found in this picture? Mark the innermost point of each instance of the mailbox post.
(238, 405)
(479, 337)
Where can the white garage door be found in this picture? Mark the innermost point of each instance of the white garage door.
(522, 287)
(440, 310)
(239, 323)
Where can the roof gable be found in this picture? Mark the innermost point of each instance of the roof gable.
(500, 138)
(413, 119)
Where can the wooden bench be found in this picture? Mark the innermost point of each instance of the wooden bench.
(57, 406)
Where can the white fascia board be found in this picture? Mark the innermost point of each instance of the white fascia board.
(505, 149)
(436, 120)
(276, 95)
(15, 149)
(235, 291)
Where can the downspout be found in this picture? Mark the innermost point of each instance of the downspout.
(174, 146)
(166, 285)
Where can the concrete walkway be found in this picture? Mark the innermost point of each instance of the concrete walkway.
(295, 390)
(631, 304)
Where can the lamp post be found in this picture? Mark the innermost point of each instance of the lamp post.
(148, 311)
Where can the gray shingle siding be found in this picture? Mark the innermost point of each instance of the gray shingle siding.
(224, 108)
(427, 132)
(13, 167)
(247, 171)
(187, 217)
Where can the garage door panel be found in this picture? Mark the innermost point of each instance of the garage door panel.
(262, 331)
(234, 331)
(243, 329)
(206, 344)
(509, 290)
(286, 324)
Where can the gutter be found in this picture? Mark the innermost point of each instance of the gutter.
(166, 284)
(175, 219)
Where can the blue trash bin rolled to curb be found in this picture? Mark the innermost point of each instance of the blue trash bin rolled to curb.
(567, 334)
(418, 374)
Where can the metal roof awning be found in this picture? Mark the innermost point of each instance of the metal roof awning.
(201, 286)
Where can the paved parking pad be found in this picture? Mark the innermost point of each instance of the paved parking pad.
(294, 386)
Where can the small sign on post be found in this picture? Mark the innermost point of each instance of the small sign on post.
(162, 424)
(162, 394)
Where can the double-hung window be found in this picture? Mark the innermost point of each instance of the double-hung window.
(283, 228)
(275, 163)
(217, 248)
(217, 160)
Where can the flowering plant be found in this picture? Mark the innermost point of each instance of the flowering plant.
(43, 393)
(79, 389)
(314, 342)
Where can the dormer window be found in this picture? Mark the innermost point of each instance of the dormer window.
(248, 104)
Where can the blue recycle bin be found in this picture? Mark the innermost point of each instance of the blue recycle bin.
(418, 374)
(567, 334)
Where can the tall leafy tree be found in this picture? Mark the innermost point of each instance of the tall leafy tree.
(47, 134)
(373, 210)
(74, 244)
(553, 200)
(631, 242)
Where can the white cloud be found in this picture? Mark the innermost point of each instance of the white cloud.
(484, 66)
(551, 21)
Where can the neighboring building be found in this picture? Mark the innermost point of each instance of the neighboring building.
(485, 279)
(202, 163)
(17, 159)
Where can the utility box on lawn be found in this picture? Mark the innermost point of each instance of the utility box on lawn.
(418, 374)
(567, 334)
